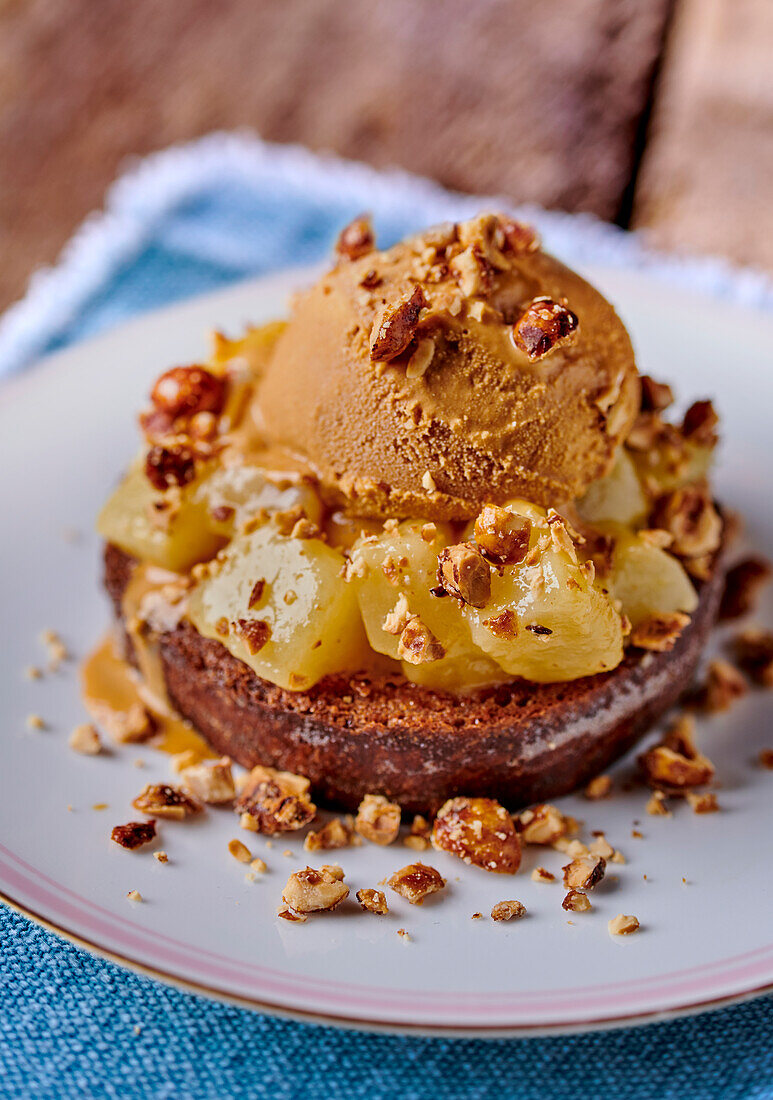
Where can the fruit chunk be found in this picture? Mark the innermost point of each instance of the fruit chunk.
(150, 526)
(305, 623)
(549, 620)
(649, 581)
(234, 493)
(616, 498)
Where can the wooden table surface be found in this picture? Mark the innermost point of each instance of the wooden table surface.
(652, 113)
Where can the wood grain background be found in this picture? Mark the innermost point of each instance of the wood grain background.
(655, 113)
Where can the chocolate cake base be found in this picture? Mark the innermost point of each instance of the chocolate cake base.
(351, 735)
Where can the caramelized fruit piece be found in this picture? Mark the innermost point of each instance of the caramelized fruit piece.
(648, 580)
(616, 498)
(312, 625)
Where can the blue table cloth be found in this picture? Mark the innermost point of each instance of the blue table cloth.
(182, 222)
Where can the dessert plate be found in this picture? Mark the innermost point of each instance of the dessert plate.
(697, 884)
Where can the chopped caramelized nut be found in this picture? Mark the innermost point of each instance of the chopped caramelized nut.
(162, 857)
(659, 633)
(134, 895)
(622, 925)
(311, 891)
(704, 803)
(724, 684)
(465, 574)
(373, 901)
(335, 834)
(520, 238)
(420, 360)
(472, 271)
(256, 595)
(275, 801)
(676, 763)
(700, 423)
(428, 482)
(184, 391)
(503, 625)
(598, 787)
(416, 843)
(255, 632)
(508, 910)
(417, 644)
(85, 739)
(541, 874)
(479, 831)
(135, 834)
(396, 620)
(742, 585)
(542, 824)
(690, 516)
(544, 326)
(162, 800)
(657, 806)
(766, 759)
(211, 783)
(600, 846)
(378, 819)
(655, 396)
(396, 327)
(239, 851)
(754, 651)
(584, 873)
(576, 902)
(167, 467)
(356, 239)
(126, 726)
(416, 881)
(501, 535)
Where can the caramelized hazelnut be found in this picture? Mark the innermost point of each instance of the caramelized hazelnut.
(502, 536)
(183, 391)
(167, 467)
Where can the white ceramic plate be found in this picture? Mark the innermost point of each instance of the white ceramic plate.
(66, 431)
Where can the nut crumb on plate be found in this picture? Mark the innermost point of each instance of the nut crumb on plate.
(576, 902)
(162, 857)
(35, 722)
(210, 783)
(584, 873)
(239, 851)
(336, 833)
(702, 803)
(542, 824)
(724, 684)
(313, 891)
(378, 819)
(623, 925)
(541, 874)
(372, 901)
(134, 895)
(508, 910)
(275, 801)
(161, 800)
(134, 834)
(599, 787)
(84, 739)
(416, 881)
(479, 831)
(657, 806)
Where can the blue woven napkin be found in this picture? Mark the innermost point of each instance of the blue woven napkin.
(182, 222)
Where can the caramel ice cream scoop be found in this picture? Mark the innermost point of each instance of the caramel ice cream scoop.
(460, 367)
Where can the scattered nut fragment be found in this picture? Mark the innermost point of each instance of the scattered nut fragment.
(394, 329)
(336, 833)
(598, 787)
(659, 633)
(622, 925)
(600, 846)
(428, 482)
(472, 271)
(508, 910)
(576, 902)
(161, 800)
(134, 834)
(239, 851)
(479, 831)
(703, 803)
(520, 238)
(291, 915)
(676, 763)
(584, 873)
(128, 726)
(275, 801)
(403, 934)
(170, 467)
(162, 857)
(134, 895)
(356, 239)
(502, 535)
(35, 722)
(465, 574)
(541, 874)
(85, 739)
(312, 891)
(544, 326)
(417, 644)
(416, 881)
(32, 672)
(373, 901)
(742, 585)
(754, 652)
(419, 363)
(416, 843)
(259, 865)
(655, 396)
(210, 783)
(700, 423)
(657, 806)
(396, 620)
(255, 632)
(542, 824)
(724, 684)
(378, 819)
(690, 516)
(766, 759)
